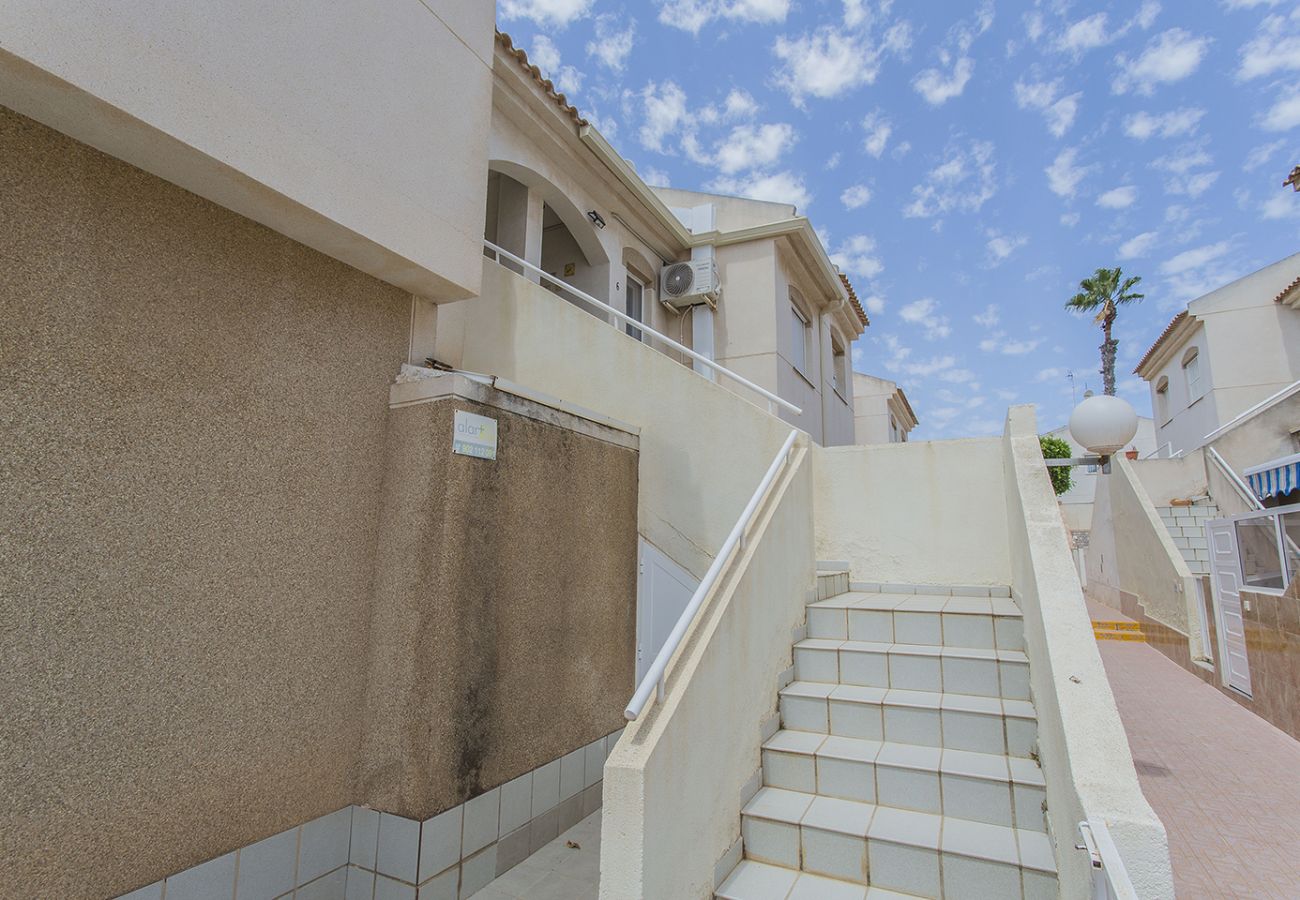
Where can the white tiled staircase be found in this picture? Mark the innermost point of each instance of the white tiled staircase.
(1186, 525)
(904, 765)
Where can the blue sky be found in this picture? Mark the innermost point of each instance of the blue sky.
(965, 163)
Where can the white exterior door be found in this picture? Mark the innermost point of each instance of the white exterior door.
(663, 590)
(1226, 577)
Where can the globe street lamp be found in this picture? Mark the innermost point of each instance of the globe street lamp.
(1103, 425)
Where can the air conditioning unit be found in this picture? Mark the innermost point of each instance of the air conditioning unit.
(691, 283)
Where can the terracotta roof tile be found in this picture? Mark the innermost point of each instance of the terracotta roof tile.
(542, 81)
(1288, 289)
(853, 299)
(1151, 351)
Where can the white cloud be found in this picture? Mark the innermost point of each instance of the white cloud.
(556, 13)
(1001, 246)
(925, 312)
(1248, 4)
(1069, 219)
(875, 304)
(877, 129)
(989, 317)
(1281, 206)
(857, 256)
(1063, 175)
(1285, 113)
(1176, 122)
(938, 87)
(692, 15)
(778, 187)
(1043, 97)
(1086, 34)
(739, 104)
(1199, 270)
(857, 196)
(964, 181)
(612, 44)
(1170, 56)
(750, 147)
(834, 162)
(1138, 245)
(1050, 374)
(997, 342)
(1187, 158)
(655, 177)
(824, 63)
(1275, 48)
(1192, 185)
(1118, 198)
(546, 56)
(1146, 14)
(663, 113)
(1262, 154)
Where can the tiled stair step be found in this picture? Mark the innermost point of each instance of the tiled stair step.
(753, 880)
(984, 623)
(914, 667)
(1107, 634)
(931, 719)
(1115, 625)
(982, 787)
(897, 849)
(831, 582)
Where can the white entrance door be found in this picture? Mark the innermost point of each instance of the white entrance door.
(635, 307)
(1226, 577)
(663, 590)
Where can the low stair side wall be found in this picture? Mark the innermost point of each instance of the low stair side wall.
(679, 776)
(1083, 749)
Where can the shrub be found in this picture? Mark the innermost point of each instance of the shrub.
(1057, 448)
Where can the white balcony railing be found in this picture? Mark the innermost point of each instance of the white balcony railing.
(773, 401)
(653, 682)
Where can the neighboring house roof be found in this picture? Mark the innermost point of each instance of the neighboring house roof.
(1290, 295)
(853, 300)
(888, 389)
(545, 83)
(1155, 348)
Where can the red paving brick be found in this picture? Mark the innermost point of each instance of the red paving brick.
(1225, 782)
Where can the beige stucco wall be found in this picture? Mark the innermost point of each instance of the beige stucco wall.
(674, 784)
(1166, 480)
(1082, 746)
(192, 457)
(1131, 551)
(360, 130)
(928, 512)
(503, 630)
(703, 448)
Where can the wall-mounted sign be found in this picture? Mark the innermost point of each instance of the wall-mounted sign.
(474, 435)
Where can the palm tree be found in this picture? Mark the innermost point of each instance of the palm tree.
(1106, 293)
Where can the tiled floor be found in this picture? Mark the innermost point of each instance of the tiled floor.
(557, 871)
(1225, 782)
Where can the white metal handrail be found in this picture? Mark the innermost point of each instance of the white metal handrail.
(1234, 479)
(771, 398)
(653, 682)
(1110, 878)
(1259, 407)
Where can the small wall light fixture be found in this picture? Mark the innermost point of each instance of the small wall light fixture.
(596, 218)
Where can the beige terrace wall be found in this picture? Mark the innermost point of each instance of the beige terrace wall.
(703, 449)
(1135, 554)
(192, 454)
(675, 783)
(1166, 480)
(918, 513)
(1081, 742)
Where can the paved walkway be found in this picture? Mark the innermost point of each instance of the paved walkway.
(1225, 782)
(556, 872)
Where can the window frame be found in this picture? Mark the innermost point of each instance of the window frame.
(1162, 400)
(1191, 364)
(802, 338)
(634, 279)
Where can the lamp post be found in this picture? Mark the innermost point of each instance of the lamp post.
(1102, 424)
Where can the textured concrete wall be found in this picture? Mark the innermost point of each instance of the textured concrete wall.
(504, 626)
(191, 457)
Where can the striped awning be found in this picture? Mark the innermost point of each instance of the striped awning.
(1277, 477)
